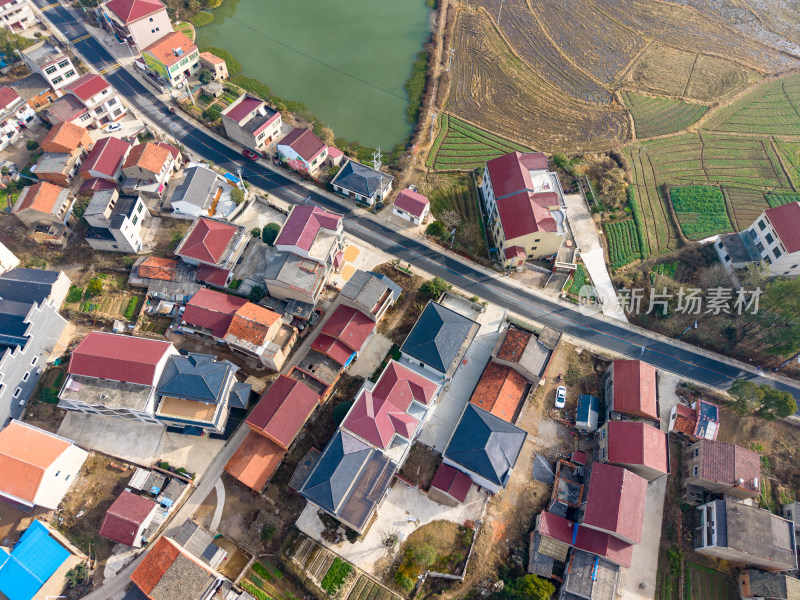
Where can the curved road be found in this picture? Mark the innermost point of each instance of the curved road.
(694, 365)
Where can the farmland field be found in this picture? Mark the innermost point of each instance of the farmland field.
(704, 583)
(654, 116)
(623, 245)
(461, 146)
(700, 210)
(780, 199)
(454, 195)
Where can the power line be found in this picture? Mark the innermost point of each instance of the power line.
(321, 62)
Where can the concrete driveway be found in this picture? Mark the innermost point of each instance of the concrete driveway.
(588, 240)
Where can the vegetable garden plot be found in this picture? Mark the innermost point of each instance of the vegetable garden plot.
(700, 210)
(780, 199)
(653, 116)
(623, 243)
(461, 146)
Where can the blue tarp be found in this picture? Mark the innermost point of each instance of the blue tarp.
(32, 562)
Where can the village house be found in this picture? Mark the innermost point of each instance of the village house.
(524, 351)
(137, 23)
(201, 193)
(68, 138)
(306, 251)
(764, 585)
(615, 502)
(170, 283)
(251, 122)
(411, 206)
(148, 168)
(45, 209)
(361, 183)
(344, 334)
(34, 333)
(16, 15)
(115, 222)
(15, 115)
(555, 535)
(127, 519)
(449, 486)
(587, 413)
(700, 421)
(501, 391)
(746, 535)
(8, 260)
(303, 151)
(39, 467)
(631, 390)
(102, 102)
(214, 65)
(105, 160)
(637, 446)
(771, 239)
(214, 247)
(721, 468)
(370, 293)
(51, 63)
(34, 89)
(115, 375)
(199, 542)
(525, 208)
(58, 169)
(791, 512)
(173, 58)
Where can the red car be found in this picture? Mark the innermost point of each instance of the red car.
(251, 155)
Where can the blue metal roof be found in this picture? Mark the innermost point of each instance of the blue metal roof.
(587, 411)
(32, 562)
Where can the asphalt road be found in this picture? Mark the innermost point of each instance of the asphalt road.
(694, 365)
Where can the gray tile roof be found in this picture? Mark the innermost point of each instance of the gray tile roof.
(27, 285)
(196, 377)
(437, 336)
(485, 445)
(366, 288)
(30, 86)
(184, 580)
(199, 542)
(196, 188)
(240, 395)
(361, 179)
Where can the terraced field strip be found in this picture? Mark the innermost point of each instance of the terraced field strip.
(700, 210)
(654, 116)
(789, 153)
(623, 245)
(770, 109)
(461, 146)
(367, 589)
(780, 199)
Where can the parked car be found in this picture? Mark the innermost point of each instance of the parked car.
(113, 127)
(250, 154)
(561, 396)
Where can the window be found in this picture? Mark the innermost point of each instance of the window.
(66, 478)
(135, 219)
(151, 19)
(695, 471)
(535, 241)
(719, 245)
(17, 392)
(63, 64)
(51, 70)
(57, 80)
(761, 225)
(112, 102)
(696, 451)
(768, 260)
(760, 247)
(26, 376)
(139, 208)
(727, 258)
(769, 238)
(777, 252)
(105, 91)
(34, 361)
(85, 116)
(58, 473)
(786, 272)
(118, 112)
(69, 74)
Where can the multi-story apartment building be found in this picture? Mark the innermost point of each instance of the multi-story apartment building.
(51, 63)
(137, 23)
(16, 15)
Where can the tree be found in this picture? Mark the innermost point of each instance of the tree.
(31, 145)
(237, 195)
(531, 587)
(256, 294)
(255, 232)
(747, 396)
(205, 77)
(776, 404)
(762, 400)
(269, 233)
(434, 288)
(424, 554)
(435, 229)
(94, 287)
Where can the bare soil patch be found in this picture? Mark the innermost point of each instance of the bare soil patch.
(420, 466)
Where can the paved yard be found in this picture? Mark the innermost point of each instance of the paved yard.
(371, 356)
(139, 443)
(402, 503)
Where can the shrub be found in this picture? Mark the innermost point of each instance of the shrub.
(95, 287)
(267, 531)
(254, 86)
(202, 19)
(415, 86)
(433, 288)
(31, 145)
(404, 581)
(212, 113)
(532, 587)
(270, 233)
(75, 294)
(435, 229)
(205, 77)
(255, 232)
(340, 412)
(256, 294)
(131, 308)
(77, 575)
(424, 554)
(237, 196)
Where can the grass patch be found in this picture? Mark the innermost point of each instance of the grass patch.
(130, 309)
(458, 200)
(257, 593)
(202, 19)
(337, 573)
(254, 86)
(234, 66)
(579, 279)
(415, 86)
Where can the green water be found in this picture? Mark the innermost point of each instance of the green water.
(347, 60)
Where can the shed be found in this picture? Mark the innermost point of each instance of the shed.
(213, 89)
(449, 486)
(588, 412)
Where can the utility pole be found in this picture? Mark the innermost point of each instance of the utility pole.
(450, 62)
(376, 164)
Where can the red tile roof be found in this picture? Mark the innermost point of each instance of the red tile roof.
(207, 240)
(350, 326)
(133, 10)
(118, 357)
(171, 149)
(635, 388)
(786, 222)
(251, 323)
(584, 538)
(303, 225)
(334, 152)
(155, 564)
(163, 49)
(7, 96)
(42, 197)
(213, 275)
(332, 347)
(283, 410)
(615, 502)
(304, 142)
(212, 310)
(500, 391)
(412, 202)
(239, 111)
(378, 414)
(212, 58)
(514, 344)
(106, 157)
(452, 482)
(637, 443)
(728, 463)
(97, 184)
(26, 452)
(125, 516)
(149, 156)
(88, 86)
(255, 461)
(64, 136)
(685, 421)
(155, 267)
(514, 252)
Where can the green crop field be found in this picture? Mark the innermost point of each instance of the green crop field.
(461, 146)
(780, 199)
(700, 210)
(770, 109)
(653, 116)
(623, 243)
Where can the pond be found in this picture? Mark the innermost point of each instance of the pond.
(347, 60)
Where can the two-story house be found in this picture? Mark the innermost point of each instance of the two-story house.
(105, 160)
(148, 168)
(46, 210)
(776, 234)
(214, 246)
(15, 114)
(102, 102)
(249, 121)
(637, 446)
(65, 147)
(51, 63)
(201, 193)
(631, 390)
(212, 63)
(137, 23)
(115, 222)
(525, 208)
(721, 468)
(16, 15)
(303, 151)
(362, 183)
(173, 57)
